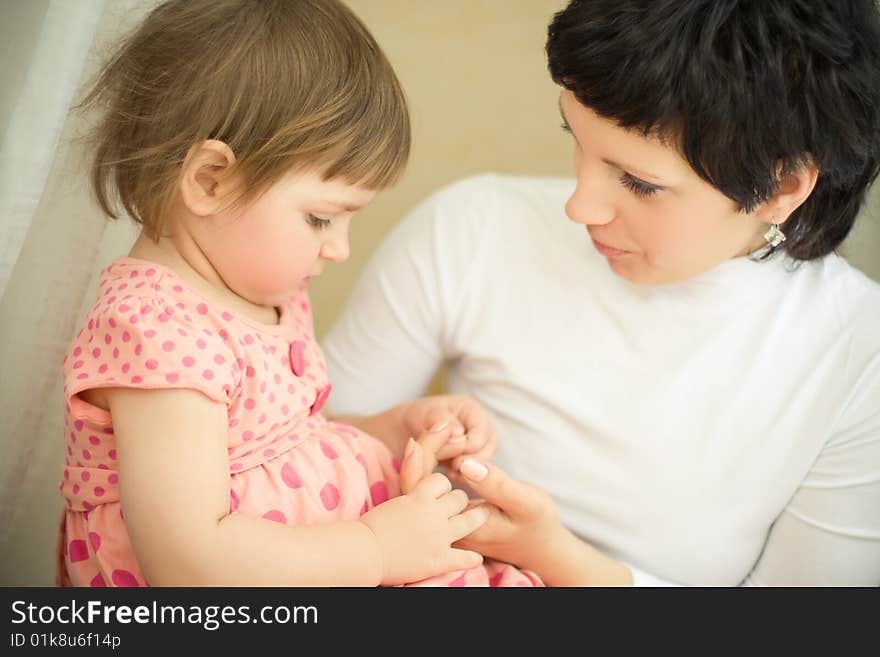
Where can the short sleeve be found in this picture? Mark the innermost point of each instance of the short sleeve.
(150, 343)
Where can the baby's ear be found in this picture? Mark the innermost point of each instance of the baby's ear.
(206, 183)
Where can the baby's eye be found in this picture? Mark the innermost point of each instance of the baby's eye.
(317, 222)
(638, 187)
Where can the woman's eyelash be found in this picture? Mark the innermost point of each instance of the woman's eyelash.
(565, 127)
(317, 222)
(638, 187)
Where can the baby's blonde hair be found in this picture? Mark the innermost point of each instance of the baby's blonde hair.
(286, 84)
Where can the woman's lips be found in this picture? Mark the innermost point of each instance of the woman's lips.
(608, 251)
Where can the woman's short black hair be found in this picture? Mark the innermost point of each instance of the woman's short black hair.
(746, 89)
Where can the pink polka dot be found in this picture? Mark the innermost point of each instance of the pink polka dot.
(78, 550)
(330, 496)
(177, 288)
(247, 435)
(189, 361)
(124, 307)
(262, 419)
(123, 578)
(77, 351)
(284, 409)
(99, 491)
(151, 364)
(66, 473)
(496, 578)
(133, 274)
(149, 333)
(107, 338)
(233, 501)
(182, 333)
(150, 272)
(290, 477)
(78, 364)
(82, 375)
(112, 454)
(227, 316)
(115, 352)
(275, 516)
(126, 367)
(248, 339)
(208, 374)
(94, 440)
(268, 453)
(172, 377)
(134, 319)
(202, 308)
(138, 349)
(102, 369)
(223, 334)
(321, 398)
(378, 493)
(201, 344)
(78, 425)
(360, 459)
(87, 455)
(98, 582)
(94, 541)
(329, 452)
(458, 581)
(297, 359)
(113, 479)
(249, 371)
(236, 466)
(96, 353)
(136, 379)
(219, 359)
(249, 403)
(126, 336)
(85, 476)
(168, 345)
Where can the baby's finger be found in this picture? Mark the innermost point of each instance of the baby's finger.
(467, 521)
(433, 486)
(412, 468)
(454, 502)
(462, 560)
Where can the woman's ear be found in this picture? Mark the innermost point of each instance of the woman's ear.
(793, 190)
(205, 182)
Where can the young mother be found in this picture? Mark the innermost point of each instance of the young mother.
(683, 364)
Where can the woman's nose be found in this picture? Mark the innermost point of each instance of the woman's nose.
(588, 204)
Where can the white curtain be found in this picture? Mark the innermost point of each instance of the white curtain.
(52, 243)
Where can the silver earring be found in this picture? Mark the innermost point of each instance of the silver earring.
(774, 236)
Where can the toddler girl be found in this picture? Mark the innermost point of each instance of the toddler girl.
(243, 135)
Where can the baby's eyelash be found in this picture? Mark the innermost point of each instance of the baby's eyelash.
(638, 187)
(317, 222)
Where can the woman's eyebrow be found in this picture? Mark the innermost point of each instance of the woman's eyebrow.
(623, 167)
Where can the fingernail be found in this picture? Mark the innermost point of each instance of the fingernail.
(409, 447)
(440, 426)
(473, 470)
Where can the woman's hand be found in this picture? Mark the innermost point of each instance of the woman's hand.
(415, 531)
(524, 528)
(449, 426)
(523, 520)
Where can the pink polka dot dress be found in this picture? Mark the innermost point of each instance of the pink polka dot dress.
(288, 464)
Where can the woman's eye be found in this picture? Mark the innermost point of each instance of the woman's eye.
(638, 187)
(317, 222)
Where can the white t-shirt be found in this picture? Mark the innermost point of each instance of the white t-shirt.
(719, 431)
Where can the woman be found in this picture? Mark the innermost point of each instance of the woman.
(694, 378)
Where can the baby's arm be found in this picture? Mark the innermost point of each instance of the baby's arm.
(174, 489)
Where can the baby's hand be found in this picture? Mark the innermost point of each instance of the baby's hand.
(448, 426)
(415, 531)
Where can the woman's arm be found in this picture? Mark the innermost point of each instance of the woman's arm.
(174, 490)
